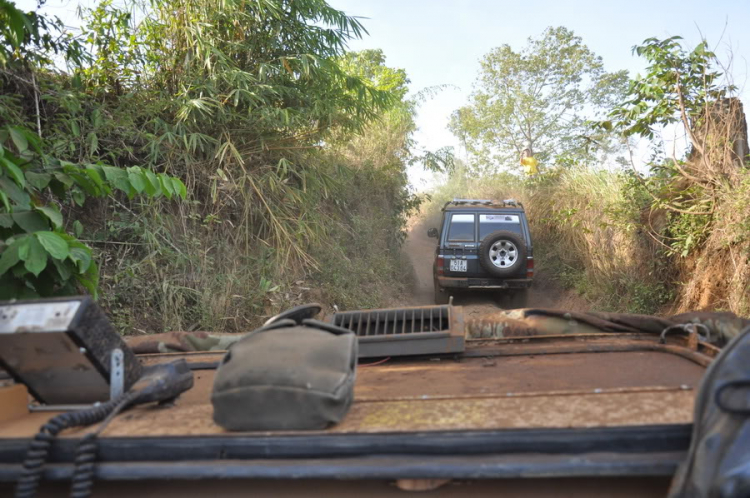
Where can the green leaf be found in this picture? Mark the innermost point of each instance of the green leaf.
(34, 141)
(96, 118)
(137, 179)
(54, 244)
(179, 187)
(93, 142)
(92, 173)
(166, 185)
(6, 220)
(80, 177)
(78, 196)
(52, 213)
(30, 221)
(154, 186)
(82, 180)
(35, 256)
(64, 179)
(63, 269)
(5, 201)
(19, 140)
(82, 257)
(21, 198)
(91, 280)
(117, 177)
(38, 180)
(14, 171)
(17, 21)
(10, 257)
(20, 271)
(78, 228)
(23, 249)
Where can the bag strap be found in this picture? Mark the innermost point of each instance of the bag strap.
(298, 313)
(328, 327)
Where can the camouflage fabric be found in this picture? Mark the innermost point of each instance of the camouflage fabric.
(720, 327)
(181, 342)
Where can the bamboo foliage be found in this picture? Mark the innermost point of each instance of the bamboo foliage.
(255, 106)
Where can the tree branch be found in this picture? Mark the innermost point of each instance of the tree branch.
(680, 169)
(684, 116)
(660, 201)
(36, 105)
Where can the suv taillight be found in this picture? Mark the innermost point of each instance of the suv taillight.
(440, 265)
(529, 267)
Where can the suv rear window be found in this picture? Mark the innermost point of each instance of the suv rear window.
(489, 223)
(461, 228)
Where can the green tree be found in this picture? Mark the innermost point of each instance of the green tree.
(683, 88)
(40, 255)
(678, 87)
(543, 95)
(394, 128)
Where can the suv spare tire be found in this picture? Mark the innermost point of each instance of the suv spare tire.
(503, 254)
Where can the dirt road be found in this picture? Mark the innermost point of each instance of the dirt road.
(421, 250)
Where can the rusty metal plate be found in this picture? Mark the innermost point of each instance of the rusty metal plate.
(513, 412)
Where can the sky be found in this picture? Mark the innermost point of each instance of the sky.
(440, 42)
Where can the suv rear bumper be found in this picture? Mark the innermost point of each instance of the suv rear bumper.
(483, 283)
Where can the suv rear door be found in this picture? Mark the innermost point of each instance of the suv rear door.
(460, 243)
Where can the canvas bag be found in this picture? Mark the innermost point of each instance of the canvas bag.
(288, 375)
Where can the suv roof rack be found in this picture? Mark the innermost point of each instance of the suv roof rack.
(483, 203)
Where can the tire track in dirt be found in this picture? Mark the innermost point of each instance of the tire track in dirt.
(420, 250)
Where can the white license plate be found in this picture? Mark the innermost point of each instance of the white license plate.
(458, 265)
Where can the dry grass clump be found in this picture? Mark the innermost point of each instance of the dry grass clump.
(717, 274)
(586, 228)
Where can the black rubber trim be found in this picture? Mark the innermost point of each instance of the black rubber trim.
(409, 467)
(238, 446)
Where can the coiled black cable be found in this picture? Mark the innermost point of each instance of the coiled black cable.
(83, 473)
(36, 456)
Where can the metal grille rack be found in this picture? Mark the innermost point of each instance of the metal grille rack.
(405, 331)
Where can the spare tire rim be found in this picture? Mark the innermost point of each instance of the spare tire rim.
(503, 253)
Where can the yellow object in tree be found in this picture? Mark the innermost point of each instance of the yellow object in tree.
(530, 165)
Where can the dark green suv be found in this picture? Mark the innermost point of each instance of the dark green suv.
(483, 245)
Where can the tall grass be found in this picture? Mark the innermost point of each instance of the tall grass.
(181, 269)
(587, 224)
